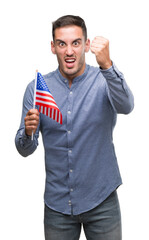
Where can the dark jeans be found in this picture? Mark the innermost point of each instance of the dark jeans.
(100, 223)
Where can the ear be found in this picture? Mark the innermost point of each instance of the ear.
(87, 45)
(53, 47)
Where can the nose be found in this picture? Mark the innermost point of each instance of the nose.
(69, 50)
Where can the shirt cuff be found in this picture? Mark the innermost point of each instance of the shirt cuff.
(24, 139)
(112, 71)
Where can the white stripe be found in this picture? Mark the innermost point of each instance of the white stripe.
(59, 117)
(56, 115)
(52, 113)
(41, 109)
(45, 92)
(48, 98)
(47, 103)
(45, 110)
(48, 112)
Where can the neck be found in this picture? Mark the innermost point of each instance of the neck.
(70, 77)
(70, 83)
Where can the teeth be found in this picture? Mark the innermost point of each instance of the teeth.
(70, 60)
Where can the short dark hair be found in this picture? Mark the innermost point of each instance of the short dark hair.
(69, 20)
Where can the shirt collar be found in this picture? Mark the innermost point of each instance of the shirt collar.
(76, 79)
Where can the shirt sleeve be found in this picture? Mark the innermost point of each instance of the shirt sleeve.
(24, 144)
(120, 95)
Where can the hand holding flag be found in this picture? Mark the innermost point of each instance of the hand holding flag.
(44, 99)
(31, 122)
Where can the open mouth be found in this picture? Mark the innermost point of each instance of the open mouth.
(70, 62)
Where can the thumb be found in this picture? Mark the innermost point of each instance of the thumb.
(92, 50)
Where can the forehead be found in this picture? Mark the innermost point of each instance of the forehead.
(69, 33)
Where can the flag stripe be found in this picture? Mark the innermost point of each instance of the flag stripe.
(46, 103)
(57, 117)
(42, 97)
(54, 114)
(44, 93)
(45, 100)
(48, 106)
(48, 96)
(50, 112)
(61, 120)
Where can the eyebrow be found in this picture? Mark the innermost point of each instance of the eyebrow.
(78, 39)
(59, 40)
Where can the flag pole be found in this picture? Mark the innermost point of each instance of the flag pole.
(34, 97)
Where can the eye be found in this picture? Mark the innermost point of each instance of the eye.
(76, 43)
(61, 44)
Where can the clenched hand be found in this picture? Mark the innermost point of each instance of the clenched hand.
(31, 121)
(100, 47)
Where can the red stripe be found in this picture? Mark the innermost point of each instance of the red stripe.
(52, 109)
(43, 110)
(61, 121)
(54, 114)
(45, 100)
(44, 94)
(47, 111)
(57, 116)
(50, 112)
(45, 105)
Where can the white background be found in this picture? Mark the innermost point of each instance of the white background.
(25, 47)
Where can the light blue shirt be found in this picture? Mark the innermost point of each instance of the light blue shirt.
(81, 165)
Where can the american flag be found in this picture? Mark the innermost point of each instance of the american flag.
(45, 100)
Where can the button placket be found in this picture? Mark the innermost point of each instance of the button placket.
(70, 145)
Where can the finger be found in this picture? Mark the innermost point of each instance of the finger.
(32, 114)
(92, 50)
(95, 50)
(29, 122)
(97, 47)
(30, 129)
(100, 38)
(31, 117)
(100, 41)
(99, 44)
(31, 126)
(33, 111)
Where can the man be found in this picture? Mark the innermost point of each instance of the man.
(82, 173)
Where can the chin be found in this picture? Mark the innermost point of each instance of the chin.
(70, 71)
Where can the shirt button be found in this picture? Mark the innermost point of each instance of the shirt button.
(69, 132)
(65, 80)
(69, 112)
(71, 189)
(70, 151)
(71, 170)
(70, 92)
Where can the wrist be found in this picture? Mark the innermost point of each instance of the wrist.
(28, 133)
(106, 65)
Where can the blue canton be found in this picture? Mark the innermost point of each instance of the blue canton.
(41, 84)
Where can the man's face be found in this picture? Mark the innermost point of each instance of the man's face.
(70, 46)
